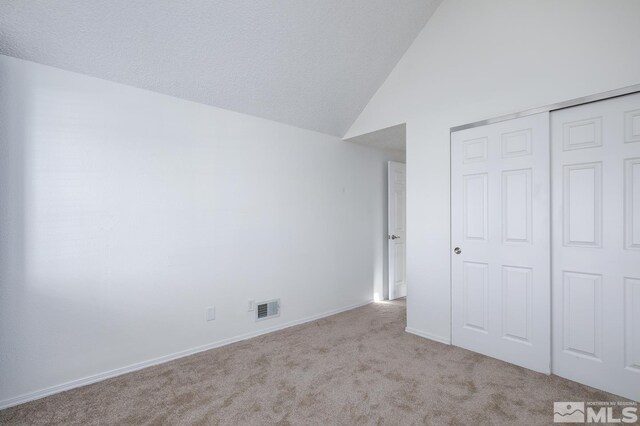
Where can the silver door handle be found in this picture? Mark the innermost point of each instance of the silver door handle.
(393, 237)
(457, 250)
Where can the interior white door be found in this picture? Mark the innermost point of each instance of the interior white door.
(500, 230)
(396, 202)
(596, 244)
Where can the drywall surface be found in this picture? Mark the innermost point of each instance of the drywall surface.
(125, 213)
(476, 60)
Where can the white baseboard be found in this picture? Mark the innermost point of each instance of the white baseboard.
(21, 399)
(429, 336)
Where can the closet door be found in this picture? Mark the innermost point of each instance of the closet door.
(500, 234)
(596, 244)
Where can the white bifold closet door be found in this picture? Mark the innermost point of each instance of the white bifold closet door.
(596, 244)
(500, 227)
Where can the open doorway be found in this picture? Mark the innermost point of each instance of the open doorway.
(389, 252)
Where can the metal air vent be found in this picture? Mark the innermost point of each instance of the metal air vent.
(269, 309)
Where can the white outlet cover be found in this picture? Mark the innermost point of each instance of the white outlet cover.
(251, 306)
(211, 313)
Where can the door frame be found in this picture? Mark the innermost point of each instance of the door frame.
(628, 90)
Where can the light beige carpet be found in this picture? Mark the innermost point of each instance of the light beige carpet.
(357, 367)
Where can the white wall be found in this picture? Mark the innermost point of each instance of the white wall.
(125, 213)
(476, 60)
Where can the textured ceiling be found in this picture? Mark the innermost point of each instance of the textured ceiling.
(394, 138)
(310, 63)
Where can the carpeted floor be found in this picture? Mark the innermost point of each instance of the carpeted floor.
(357, 367)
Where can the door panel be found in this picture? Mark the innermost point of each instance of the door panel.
(397, 231)
(516, 296)
(475, 206)
(475, 295)
(500, 221)
(582, 314)
(596, 261)
(516, 206)
(632, 203)
(582, 200)
(632, 319)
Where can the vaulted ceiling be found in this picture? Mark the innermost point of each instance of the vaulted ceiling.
(310, 63)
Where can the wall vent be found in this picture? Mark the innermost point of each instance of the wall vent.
(269, 309)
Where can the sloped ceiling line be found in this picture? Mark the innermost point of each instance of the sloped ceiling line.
(311, 64)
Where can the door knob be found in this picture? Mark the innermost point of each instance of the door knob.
(393, 237)
(457, 250)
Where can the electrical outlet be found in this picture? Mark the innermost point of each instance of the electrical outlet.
(211, 313)
(251, 306)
